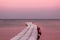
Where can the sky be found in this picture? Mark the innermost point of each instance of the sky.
(29, 9)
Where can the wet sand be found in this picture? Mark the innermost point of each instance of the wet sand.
(50, 28)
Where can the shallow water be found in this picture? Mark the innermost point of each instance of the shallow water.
(50, 28)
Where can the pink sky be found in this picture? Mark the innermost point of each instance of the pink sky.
(28, 5)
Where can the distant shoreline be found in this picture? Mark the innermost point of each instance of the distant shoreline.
(29, 19)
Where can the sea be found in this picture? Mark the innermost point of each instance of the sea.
(50, 28)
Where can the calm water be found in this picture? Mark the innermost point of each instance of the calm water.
(50, 28)
(19, 22)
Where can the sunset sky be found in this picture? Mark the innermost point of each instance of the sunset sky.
(29, 9)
